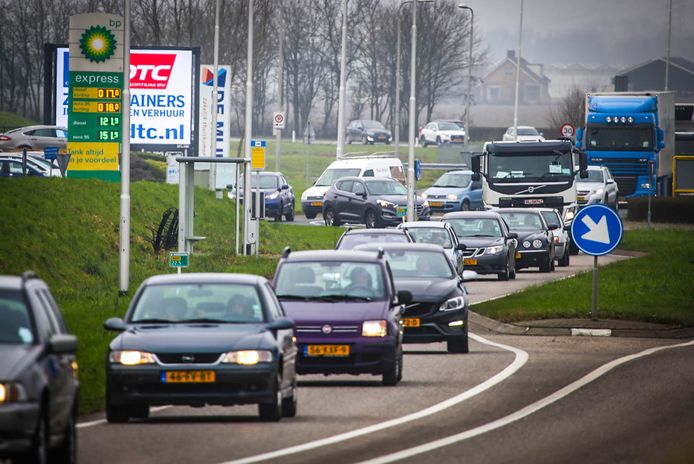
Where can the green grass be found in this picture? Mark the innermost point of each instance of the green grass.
(11, 120)
(652, 288)
(67, 231)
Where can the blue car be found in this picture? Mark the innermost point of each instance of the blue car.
(454, 191)
(279, 195)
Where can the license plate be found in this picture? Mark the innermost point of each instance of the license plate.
(518, 255)
(410, 322)
(316, 203)
(327, 350)
(581, 198)
(470, 262)
(188, 377)
(533, 201)
(436, 204)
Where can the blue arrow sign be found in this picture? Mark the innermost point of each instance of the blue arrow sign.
(596, 230)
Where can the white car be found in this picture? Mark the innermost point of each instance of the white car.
(525, 134)
(440, 132)
(562, 240)
(598, 188)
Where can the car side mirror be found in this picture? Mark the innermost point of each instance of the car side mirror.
(364, 195)
(62, 343)
(284, 187)
(583, 174)
(512, 235)
(116, 324)
(404, 297)
(475, 166)
(469, 275)
(460, 247)
(281, 324)
(553, 227)
(610, 181)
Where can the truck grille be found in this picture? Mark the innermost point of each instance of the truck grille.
(627, 167)
(626, 185)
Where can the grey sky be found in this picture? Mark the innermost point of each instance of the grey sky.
(619, 32)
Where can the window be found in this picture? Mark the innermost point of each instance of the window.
(532, 93)
(358, 188)
(329, 177)
(16, 323)
(493, 92)
(476, 227)
(410, 264)
(368, 173)
(333, 279)
(345, 185)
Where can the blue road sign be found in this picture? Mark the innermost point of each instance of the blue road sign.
(596, 230)
(50, 153)
(258, 143)
(417, 169)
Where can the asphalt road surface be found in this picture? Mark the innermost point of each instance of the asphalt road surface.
(511, 399)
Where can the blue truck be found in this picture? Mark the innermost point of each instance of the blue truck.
(633, 134)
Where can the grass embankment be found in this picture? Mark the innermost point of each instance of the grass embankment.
(656, 287)
(67, 231)
(11, 120)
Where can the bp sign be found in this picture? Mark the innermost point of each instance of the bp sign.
(596, 230)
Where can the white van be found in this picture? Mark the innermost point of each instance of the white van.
(363, 166)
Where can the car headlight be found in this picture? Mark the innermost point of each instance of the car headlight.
(526, 244)
(386, 204)
(452, 196)
(425, 204)
(445, 138)
(374, 328)
(131, 357)
(597, 192)
(493, 250)
(369, 137)
(11, 392)
(537, 243)
(424, 196)
(453, 304)
(556, 239)
(247, 357)
(272, 196)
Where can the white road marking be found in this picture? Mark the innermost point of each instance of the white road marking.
(83, 425)
(522, 413)
(591, 332)
(520, 359)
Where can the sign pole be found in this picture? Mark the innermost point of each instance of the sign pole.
(594, 308)
(125, 157)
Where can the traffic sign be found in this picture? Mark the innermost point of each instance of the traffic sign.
(177, 259)
(567, 130)
(50, 153)
(278, 120)
(417, 169)
(596, 230)
(258, 154)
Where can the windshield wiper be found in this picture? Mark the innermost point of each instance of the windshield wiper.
(337, 297)
(152, 321)
(447, 186)
(202, 320)
(293, 297)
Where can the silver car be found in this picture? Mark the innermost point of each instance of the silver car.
(598, 188)
(34, 138)
(438, 233)
(561, 237)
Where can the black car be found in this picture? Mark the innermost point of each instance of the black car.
(279, 195)
(355, 237)
(438, 311)
(375, 202)
(367, 131)
(490, 247)
(38, 374)
(535, 239)
(202, 339)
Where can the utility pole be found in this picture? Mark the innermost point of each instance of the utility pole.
(343, 69)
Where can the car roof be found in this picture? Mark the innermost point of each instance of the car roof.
(205, 277)
(8, 281)
(458, 171)
(401, 246)
(471, 215)
(375, 232)
(518, 210)
(368, 179)
(333, 255)
(268, 173)
(363, 161)
(547, 145)
(433, 224)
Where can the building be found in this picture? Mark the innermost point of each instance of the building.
(651, 76)
(586, 77)
(499, 84)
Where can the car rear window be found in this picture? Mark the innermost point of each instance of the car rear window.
(353, 240)
(522, 221)
(16, 327)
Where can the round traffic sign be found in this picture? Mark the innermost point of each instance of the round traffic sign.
(567, 129)
(596, 230)
(279, 118)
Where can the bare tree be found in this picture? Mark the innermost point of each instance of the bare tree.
(571, 109)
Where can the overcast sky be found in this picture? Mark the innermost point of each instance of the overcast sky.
(619, 32)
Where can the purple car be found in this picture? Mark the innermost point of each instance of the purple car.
(346, 312)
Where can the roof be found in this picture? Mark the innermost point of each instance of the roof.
(524, 64)
(676, 61)
(471, 215)
(205, 277)
(332, 255)
(12, 282)
(424, 224)
(369, 179)
(402, 246)
(374, 232)
(522, 147)
(518, 210)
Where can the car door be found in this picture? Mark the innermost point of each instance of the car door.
(285, 338)
(475, 194)
(286, 194)
(358, 203)
(41, 138)
(339, 196)
(459, 255)
(511, 243)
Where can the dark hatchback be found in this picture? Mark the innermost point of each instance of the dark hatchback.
(355, 237)
(438, 311)
(346, 311)
(535, 240)
(490, 247)
(202, 339)
(279, 195)
(38, 374)
(374, 202)
(368, 132)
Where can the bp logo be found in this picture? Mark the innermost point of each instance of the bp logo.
(97, 44)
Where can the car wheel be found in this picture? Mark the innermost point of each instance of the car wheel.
(349, 140)
(564, 261)
(393, 371)
(370, 219)
(363, 140)
(278, 218)
(289, 404)
(329, 218)
(465, 206)
(272, 411)
(139, 411)
(512, 274)
(458, 345)
(310, 215)
(116, 414)
(546, 266)
(39, 448)
(438, 141)
(66, 453)
(573, 249)
(506, 274)
(290, 215)
(422, 141)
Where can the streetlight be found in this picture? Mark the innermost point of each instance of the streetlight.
(341, 105)
(518, 58)
(469, 76)
(397, 79)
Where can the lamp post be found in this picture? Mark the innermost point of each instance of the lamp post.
(667, 52)
(341, 105)
(248, 225)
(515, 104)
(410, 157)
(469, 76)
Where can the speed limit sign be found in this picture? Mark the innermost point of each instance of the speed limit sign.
(567, 130)
(278, 120)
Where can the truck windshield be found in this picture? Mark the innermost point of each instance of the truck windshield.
(530, 166)
(331, 175)
(620, 139)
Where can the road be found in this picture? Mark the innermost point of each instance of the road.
(493, 404)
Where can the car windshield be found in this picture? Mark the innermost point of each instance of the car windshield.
(551, 218)
(620, 138)
(522, 221)
(530, 166)
(593, 176)
(386, 187)
(453, 180)
(265, 182)
(331, 280)
(433, 235)
(191, 302)
(475, 227)
(373, 125)
(419, 264)
(350, 241)
(527, 131)
(448, 126)
(329, 177)
(16, 324)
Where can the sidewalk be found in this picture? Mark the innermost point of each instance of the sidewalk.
(582, 327)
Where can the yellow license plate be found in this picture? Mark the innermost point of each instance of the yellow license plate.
(188, 377)
(436, 204)
(581, 198)
(470, 262)
(316, 203)
(411, 322)
(327, 350)
(518, 255)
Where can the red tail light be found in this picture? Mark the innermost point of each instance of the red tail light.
(4, 138)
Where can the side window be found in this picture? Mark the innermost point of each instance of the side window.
(51, 303)
(368, 173)
(275, 307)
(61, 133)
(358, 188)
(345, 185)
(46, 325)
(44, 133)
(476, 185)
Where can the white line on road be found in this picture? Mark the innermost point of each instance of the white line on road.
(520, 414)
(520, 359)
(83, 425)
